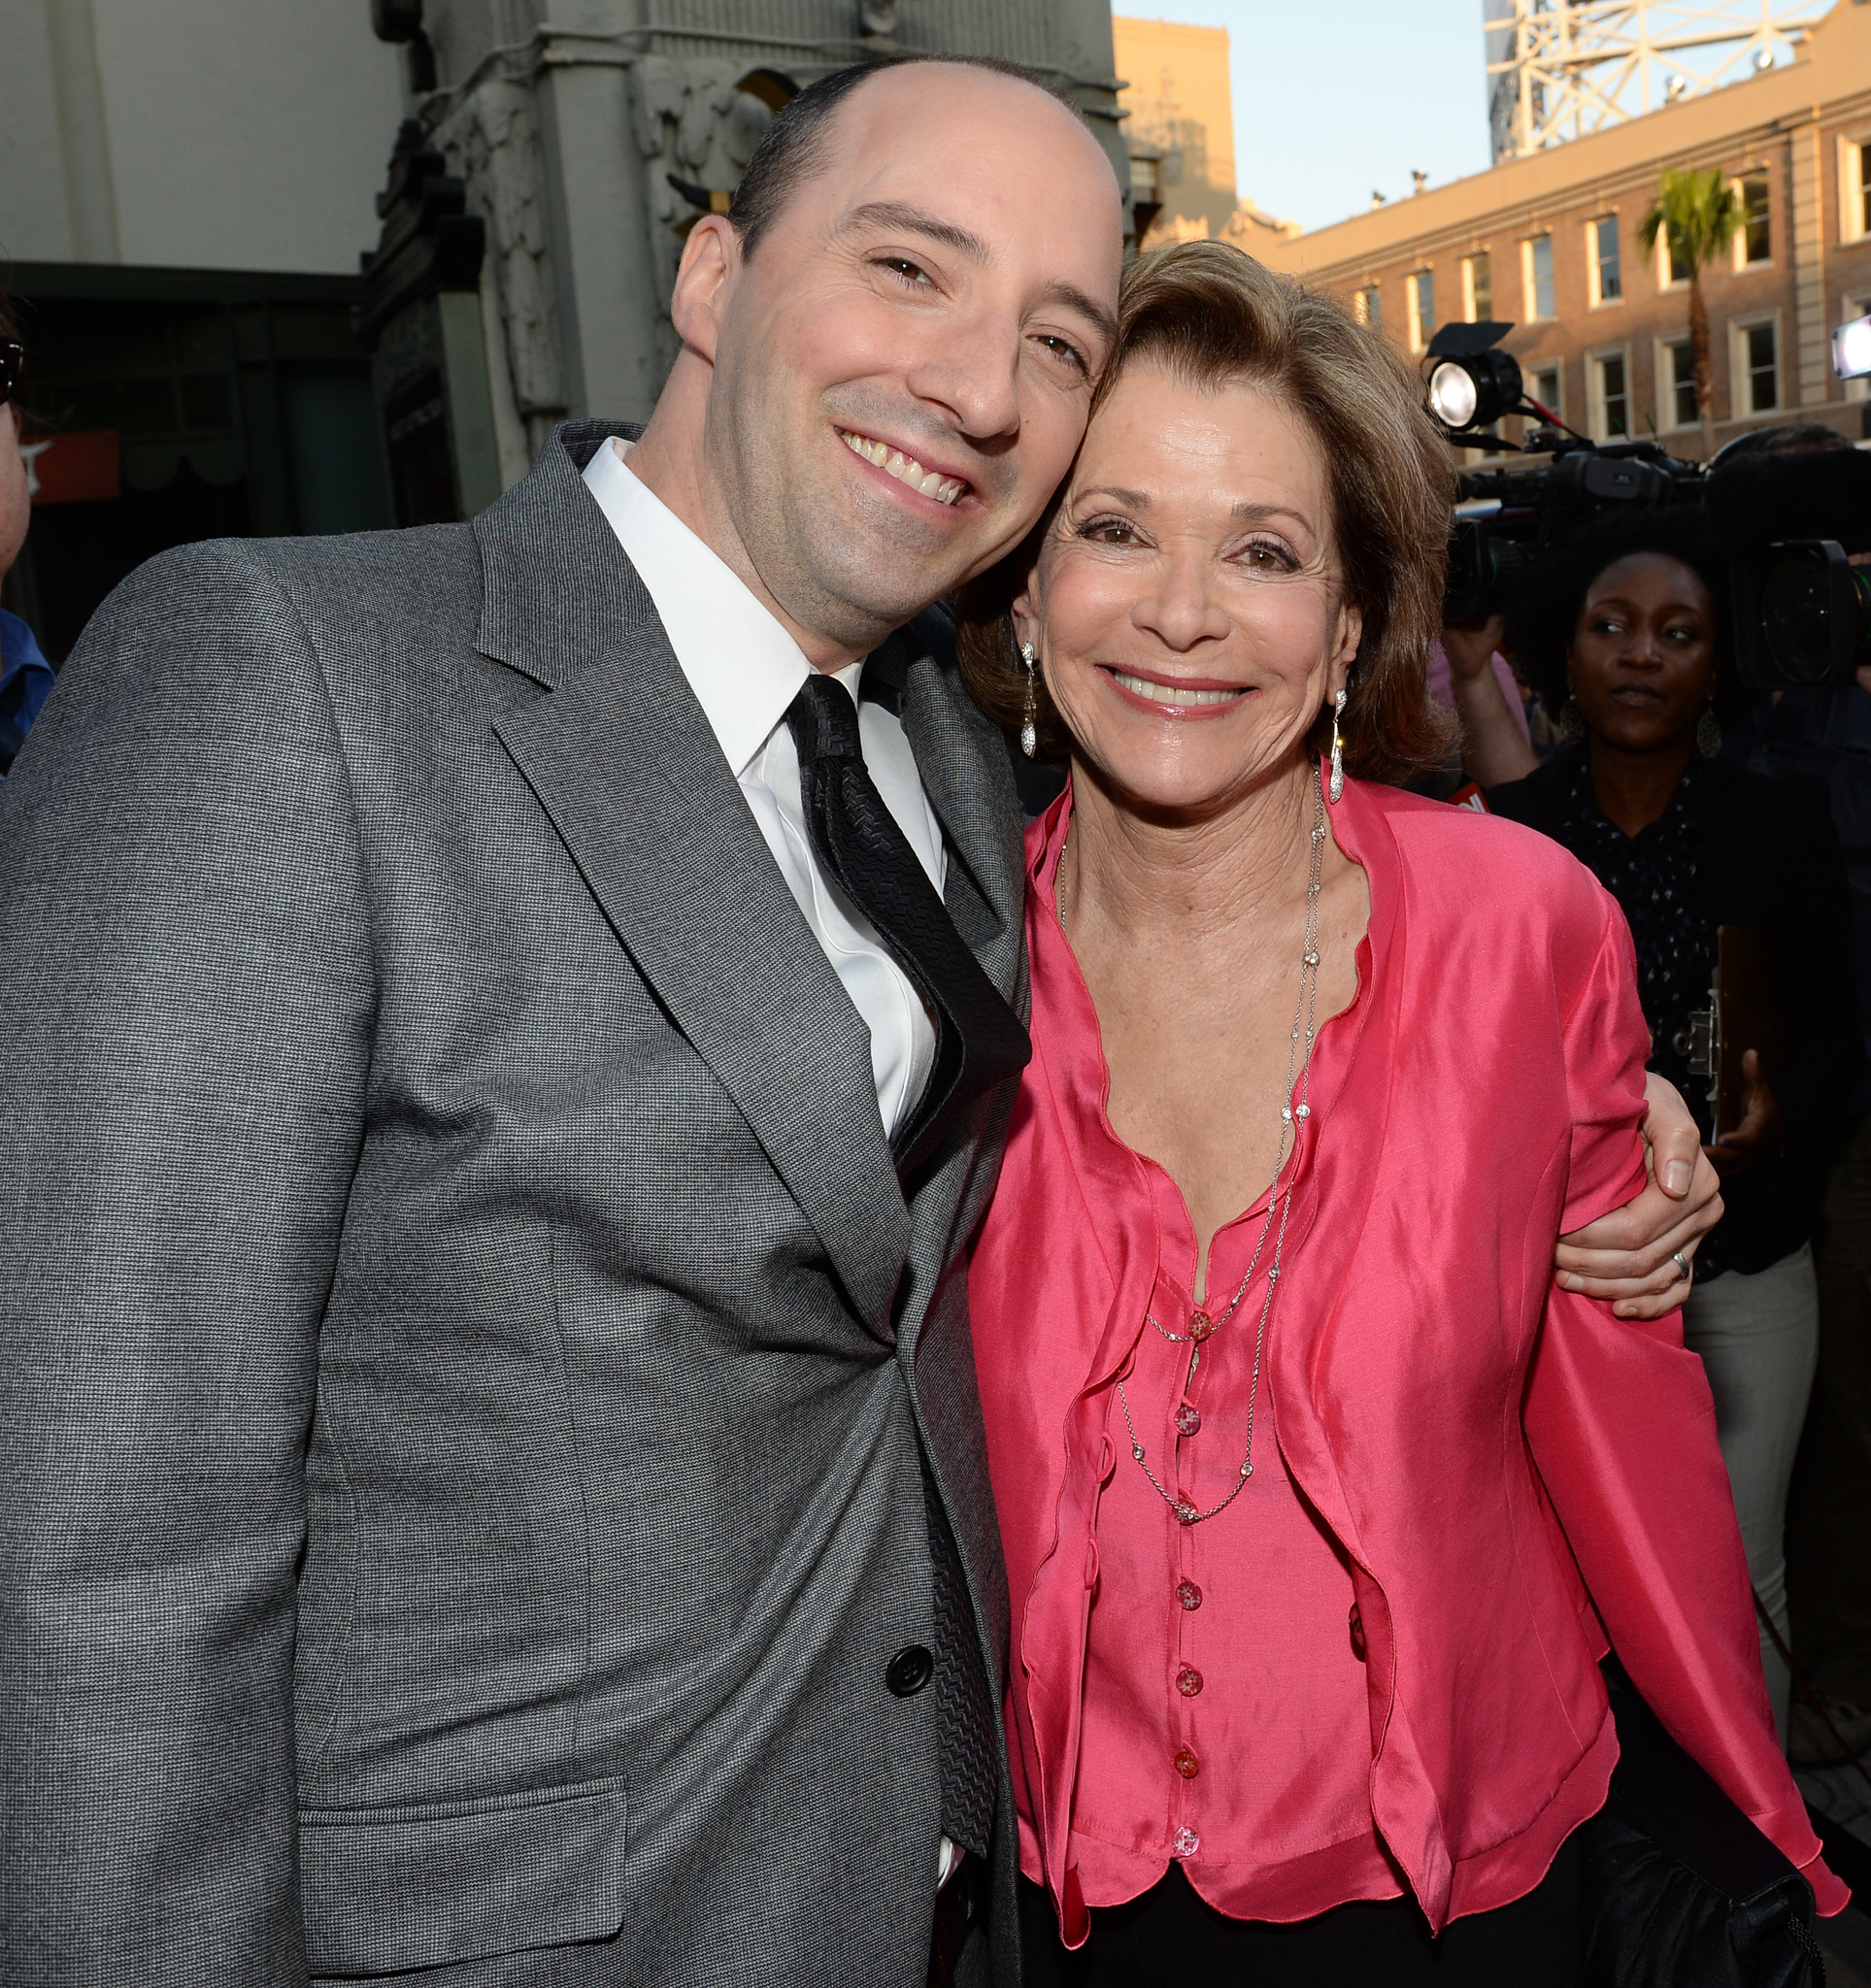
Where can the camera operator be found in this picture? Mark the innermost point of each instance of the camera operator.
(25, 676)
(1496, 746)
(1825, 735)
(1624, 631)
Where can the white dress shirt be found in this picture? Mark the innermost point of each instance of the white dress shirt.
(745, 669)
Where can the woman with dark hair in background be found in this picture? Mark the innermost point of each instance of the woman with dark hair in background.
(25, 676)
(1624, 634)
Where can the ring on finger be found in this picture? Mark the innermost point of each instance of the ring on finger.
(1682, 1264)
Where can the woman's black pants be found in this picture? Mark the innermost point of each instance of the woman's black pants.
(1170, 1938)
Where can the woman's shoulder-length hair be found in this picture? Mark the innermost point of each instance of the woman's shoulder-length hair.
(1215, 317)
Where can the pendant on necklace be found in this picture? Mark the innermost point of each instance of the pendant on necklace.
(1189, 1419)
(1200, 1326)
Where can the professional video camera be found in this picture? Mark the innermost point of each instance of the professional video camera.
(1802, 612)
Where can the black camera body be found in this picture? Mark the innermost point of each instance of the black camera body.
(1794, 520)
(1791, 519)
(1507, 517)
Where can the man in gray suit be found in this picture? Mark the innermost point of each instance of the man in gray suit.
(491, 1477)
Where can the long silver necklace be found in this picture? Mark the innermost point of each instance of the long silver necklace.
(1202, 1326)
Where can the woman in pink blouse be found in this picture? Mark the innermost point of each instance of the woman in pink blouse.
(1321, 1503)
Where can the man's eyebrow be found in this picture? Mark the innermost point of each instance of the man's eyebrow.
(1074, 299)
(916, 220)
(900, 213)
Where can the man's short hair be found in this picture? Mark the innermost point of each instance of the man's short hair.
(1788, 438)
(794, 146)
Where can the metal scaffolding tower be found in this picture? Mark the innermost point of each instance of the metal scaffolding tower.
(1559, 68)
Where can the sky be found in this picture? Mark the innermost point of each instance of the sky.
(1334, 98)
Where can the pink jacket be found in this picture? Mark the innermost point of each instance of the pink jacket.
(1513, 1473)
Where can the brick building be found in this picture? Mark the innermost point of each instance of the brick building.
(1549, 243)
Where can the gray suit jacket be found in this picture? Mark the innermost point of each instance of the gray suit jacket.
(466, 1362)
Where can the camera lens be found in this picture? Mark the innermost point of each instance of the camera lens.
(1796, 614)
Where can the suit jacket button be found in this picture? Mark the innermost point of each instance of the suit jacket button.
(910, 1670)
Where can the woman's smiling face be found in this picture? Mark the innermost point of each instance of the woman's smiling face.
(1186, 605)
(1642, 661)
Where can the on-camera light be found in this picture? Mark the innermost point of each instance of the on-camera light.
(1851, 349)
(1453, 396)
(1472, 382)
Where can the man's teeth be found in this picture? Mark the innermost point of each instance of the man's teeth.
(1173, 694)
(905, 469)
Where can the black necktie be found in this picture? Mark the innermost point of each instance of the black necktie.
(979, 1040)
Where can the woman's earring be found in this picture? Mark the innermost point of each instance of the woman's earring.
(1708, 732)
(1572, 723)
(1337, 787)
(1029, 734)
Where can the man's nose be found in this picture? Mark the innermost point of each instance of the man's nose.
(972, 377)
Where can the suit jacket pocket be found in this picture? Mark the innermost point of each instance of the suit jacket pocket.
(389, 1889)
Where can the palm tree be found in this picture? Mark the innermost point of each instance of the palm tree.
(1697, 214)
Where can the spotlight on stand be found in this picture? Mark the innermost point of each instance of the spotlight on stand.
(1851, 349)
(1472, 382)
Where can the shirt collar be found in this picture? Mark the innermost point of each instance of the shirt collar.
(744, 668)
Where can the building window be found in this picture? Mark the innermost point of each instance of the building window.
(1478, 287)
(1547, 386)
(1611, 393)
(1607, 277)
(1679, 363)
(1854, 193)
(1536, 275)
(1367, 307)
(1666, 276)
(1757, 367)
(1422, 293)
(1755, 240)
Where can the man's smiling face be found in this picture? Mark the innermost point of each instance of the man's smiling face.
(904, 361)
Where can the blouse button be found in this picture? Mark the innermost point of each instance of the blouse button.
(1187, 1841)
(1188, 1418)
(1186, 1512)
(1188, 1595)
(1188, 1680)
(1200, 1326)
(1187, 1765)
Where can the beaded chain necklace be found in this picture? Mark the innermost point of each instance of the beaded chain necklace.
(1203, 1327)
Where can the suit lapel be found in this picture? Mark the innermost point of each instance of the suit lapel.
(625, 765)
(964, 768)
(960, 759)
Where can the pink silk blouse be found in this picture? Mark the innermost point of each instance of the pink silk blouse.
(1377, 1669)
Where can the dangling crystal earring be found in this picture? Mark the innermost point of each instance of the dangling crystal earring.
(1029, 735)
(1572, 723)
(1708, 732)
(1337, 787)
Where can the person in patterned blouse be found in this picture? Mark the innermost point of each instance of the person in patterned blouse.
(1624, 634)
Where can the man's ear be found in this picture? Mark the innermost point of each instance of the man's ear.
(711, 259)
